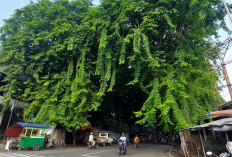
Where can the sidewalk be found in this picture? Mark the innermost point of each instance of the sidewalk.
(2, 147)
(68, 147)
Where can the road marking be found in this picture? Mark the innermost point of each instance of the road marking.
(27, 155)
(86, 155)
(5, 155)
(19, 155)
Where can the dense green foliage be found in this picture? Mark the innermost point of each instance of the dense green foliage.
(65, 58)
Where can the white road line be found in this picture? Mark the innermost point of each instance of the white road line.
(19, 155)
(97, 153)
(31, 155)
(27, 155)
(5, 155)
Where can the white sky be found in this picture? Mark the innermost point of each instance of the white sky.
(224, 35)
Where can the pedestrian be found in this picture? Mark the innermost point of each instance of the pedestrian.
(136, 141)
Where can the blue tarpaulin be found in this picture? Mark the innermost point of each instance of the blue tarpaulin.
(33, 125)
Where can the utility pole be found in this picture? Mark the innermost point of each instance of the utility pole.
(227, 79)
(227, 10)
(223, 64)
(12, 108)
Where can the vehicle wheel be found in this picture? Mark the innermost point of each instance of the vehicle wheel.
(119, 152)
(53, 144)
(124, 152)
(111, 143)
(104, 144)
(35, 147)
(88, 146)
(97, 146)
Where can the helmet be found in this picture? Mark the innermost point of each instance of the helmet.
(122, 133)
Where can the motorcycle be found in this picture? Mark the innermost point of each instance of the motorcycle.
(225, 154)
(115, 140)
(51, 143)
(91, 146)
(120, 148)
(209, 153)
(157, 139)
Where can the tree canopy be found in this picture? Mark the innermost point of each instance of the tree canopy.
(68, 58)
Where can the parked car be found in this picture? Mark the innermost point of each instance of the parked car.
(104, 139)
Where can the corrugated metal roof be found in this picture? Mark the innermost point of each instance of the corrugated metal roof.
(226, 105)
(215, 125)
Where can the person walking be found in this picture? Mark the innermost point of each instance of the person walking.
(136, 141)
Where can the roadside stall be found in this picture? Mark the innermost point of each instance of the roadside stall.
(26, 135)
(211, 136)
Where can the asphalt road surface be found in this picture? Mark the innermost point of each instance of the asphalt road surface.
(145, 150)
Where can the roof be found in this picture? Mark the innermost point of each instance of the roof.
(224, 124)
(33, 125)
(17, 128)
(226, 105)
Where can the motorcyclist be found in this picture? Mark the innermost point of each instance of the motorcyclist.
(136, 140)
(123, 139)
(91, 139)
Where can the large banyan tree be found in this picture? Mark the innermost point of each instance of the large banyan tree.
(64, 56)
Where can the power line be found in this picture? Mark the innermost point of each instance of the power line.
(225, 95)
(230, 56)
(228, 62)
(226, 50)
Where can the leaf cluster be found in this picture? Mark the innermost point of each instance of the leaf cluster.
(64, 56)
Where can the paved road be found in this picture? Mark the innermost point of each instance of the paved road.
(145, 150)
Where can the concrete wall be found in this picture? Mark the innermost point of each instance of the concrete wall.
(19, 104)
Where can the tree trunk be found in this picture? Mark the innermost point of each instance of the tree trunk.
(59, 136)
(74, 138)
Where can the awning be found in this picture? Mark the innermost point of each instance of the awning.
(14, 131)
(17, 128)
(224, 124)
(33, 125)
(86, 127)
